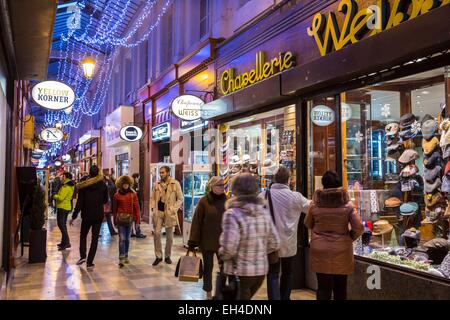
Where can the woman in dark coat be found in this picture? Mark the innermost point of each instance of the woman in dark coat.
(206, 228)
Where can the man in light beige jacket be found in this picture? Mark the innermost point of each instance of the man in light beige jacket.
(166, 200)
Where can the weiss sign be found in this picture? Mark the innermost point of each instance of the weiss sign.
(53, 95)
(131, 133)
(187, 107)
(51, 135)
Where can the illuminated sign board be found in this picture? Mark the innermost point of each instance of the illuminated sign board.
(51, 135)
(161, 132)
(187, 107)
(131, 133)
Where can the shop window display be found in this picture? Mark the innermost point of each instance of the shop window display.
(257, 144)
(397, 165)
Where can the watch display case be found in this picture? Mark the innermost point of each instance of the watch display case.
(195, 181)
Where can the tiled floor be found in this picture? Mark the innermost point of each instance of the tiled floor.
(61, 278)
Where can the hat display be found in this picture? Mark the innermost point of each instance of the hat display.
(409, 184)
(431, 175)
(445, 184)
(429, 128)
(409, 171)
(392, 202)
(407, 134)
(433, 160)
(432, 200)
(392, 129)
(428, 117)
(392, 178)
(408, 156)
(444, 268)
(437, 243)
(394, 147)
(412, 233)
(431, 187)
(446, 151)
(407, 120)
(433, 215)
(430, 146)
(409, 208)
(447, 168)
(437, 249)
(381, 227)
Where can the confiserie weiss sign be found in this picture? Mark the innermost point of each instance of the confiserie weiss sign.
(322, 115)
(51, 135)
(187, 107)
(53, 95)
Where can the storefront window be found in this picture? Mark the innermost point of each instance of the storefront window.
(258, 144)
(396, 150)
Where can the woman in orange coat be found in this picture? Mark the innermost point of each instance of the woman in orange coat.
(126, 210)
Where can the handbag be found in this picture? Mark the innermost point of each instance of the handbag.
(273, 256)
(189, 268)
(228, 287)
(125, 219)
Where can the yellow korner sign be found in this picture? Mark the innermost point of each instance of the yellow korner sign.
(229, 82)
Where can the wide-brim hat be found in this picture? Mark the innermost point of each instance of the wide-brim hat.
(430, 146)
(429, 128)
(407, 120)
(381, 227)
(408, 156)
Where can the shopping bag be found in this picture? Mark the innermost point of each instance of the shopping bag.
(189, 268)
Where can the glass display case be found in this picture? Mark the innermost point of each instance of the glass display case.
(195, 180)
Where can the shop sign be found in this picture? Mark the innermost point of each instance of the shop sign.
(131, 133)
(66, 158)
(161, 132)
(322, 115)
(53, 95)
(229, 82)
(371, 20)
(37, 154)
(51, 135)
(187, 107)
(346, 112)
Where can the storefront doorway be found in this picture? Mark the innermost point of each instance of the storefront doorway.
(122, 164)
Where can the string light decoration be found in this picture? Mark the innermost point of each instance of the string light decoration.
(102, 46)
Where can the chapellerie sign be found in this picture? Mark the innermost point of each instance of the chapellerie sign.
(372, 19)
(229, 82)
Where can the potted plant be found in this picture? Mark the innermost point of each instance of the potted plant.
(38, 234)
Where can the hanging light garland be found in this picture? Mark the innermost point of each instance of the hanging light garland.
(103, 35)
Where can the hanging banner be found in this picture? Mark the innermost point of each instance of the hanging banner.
(322, 116)
(131, 133)
(187, 107)
(51, 135)
(53, 95)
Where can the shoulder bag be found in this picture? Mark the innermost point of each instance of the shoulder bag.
(273, 256)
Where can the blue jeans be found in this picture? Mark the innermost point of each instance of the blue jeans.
(280, 289)
(124, 240)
